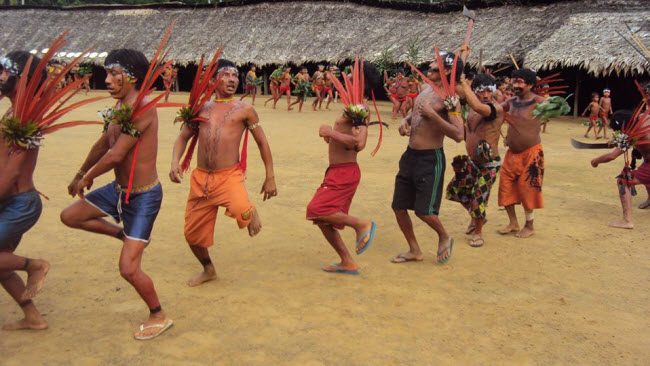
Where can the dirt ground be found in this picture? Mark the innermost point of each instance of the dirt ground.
(574, 293)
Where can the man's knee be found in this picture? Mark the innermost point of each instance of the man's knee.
(5, 275)
(68, 218)
(128, 270)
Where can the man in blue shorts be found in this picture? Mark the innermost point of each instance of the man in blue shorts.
(137, 210)
(20, 205)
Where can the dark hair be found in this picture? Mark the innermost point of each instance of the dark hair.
(620, 119)
(499, 83)
(529, 76)
(510, 87)
(19, 60)
(372, 78)
(131, 60)
(470, 75)
(594, 94)
(227, 63)
(448, 63)
(483, 80)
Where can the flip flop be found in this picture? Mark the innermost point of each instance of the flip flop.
(473, 242)
(470, 229)
(363, 235)
(339, 270)
(644, 205)
(405, 259)
(449, 249)
(162, 327)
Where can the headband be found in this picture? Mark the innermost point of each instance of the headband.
(7, 64)
(484, 87)
(117, 65)
(230, 68)
(606, 90)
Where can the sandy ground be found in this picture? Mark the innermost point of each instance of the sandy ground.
(575, 293)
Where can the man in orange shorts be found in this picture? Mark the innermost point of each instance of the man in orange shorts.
(523, 166)
(218, 180)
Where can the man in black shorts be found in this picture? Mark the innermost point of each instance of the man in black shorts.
(419, 182)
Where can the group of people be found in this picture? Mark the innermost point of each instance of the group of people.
(76, 73)
(129, 148)
(600, 111)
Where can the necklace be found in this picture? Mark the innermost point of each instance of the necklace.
(224, 100)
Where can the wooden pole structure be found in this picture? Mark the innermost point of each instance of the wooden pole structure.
(480, 61)
(266, 83)
(576, 95)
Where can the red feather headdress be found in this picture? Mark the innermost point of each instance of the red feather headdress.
(352, 96)
(448, 92)
(125, 115)
(34, 110)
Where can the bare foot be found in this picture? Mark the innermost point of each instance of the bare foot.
(255, 226)
(526, 232)
(509, 229)
(621, 224)
(36, 277)
(205, 276)
(154, 326)
(24, 324)
(586, 136)
(290, 109)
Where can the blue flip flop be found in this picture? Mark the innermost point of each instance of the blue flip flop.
(451, 246)
(372, 236)
(339, 270)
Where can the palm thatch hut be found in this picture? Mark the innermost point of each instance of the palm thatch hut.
(579, 34)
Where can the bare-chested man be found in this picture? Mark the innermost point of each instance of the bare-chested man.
(251, 84)
(303, 88)
(274, 85)
(399, 90)
(318, 82)
(327, 88)
(639, 176)
(115, 150)
(475, 177)
(522, 170)
(218, 180)
(499, 93)
(20, 205)
(605, 111)
(330, 205)
(419, 182)
(285, 87)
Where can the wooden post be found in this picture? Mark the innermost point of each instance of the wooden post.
(266, 83)
(576, 95)
(480, 61)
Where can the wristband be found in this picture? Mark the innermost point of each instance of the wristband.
(81, 173)
(453, 113)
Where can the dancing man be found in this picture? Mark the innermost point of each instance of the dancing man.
(218, 180)
(475, 176)
(419, 182)
(116, 149)
(522, 171)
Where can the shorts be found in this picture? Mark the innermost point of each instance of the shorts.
(413, 96)
(642, 174)
(603, 115)
(327, 89)
(18, 214)
(138, 216)
(472, 189)
(250, 88)
(335, 193)
(418, 184)
(208, 191)
(521, 178)
(285, 89)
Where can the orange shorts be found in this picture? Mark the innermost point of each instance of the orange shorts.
(521, 178)
(209, 190)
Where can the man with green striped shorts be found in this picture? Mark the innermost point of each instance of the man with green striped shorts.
(419, 182)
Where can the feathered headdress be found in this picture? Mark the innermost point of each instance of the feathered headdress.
(202, 90)
(448, 92)
(126, 114)
(352, 95)
(33, 112)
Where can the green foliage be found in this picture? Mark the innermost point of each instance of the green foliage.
(413, 54)
(554, 107)
(386, 61)
(18, 135)
(303, 88)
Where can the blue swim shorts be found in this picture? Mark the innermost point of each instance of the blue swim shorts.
(17, 215)
(138, 216)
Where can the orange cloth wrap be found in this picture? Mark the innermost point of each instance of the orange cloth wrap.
(521, 178)
(209, 190)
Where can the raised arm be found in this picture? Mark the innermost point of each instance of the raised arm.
(606, 158)
(479, 107)
(253, 124)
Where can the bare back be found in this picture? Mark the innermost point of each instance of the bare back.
(339, 153)
(25, 181)
(425, 135)
(526, 130)
(220, 136)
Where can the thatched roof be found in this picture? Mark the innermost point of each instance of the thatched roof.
(276, 33)
(590, 40)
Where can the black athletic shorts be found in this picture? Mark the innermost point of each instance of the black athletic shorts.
(418, 184)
